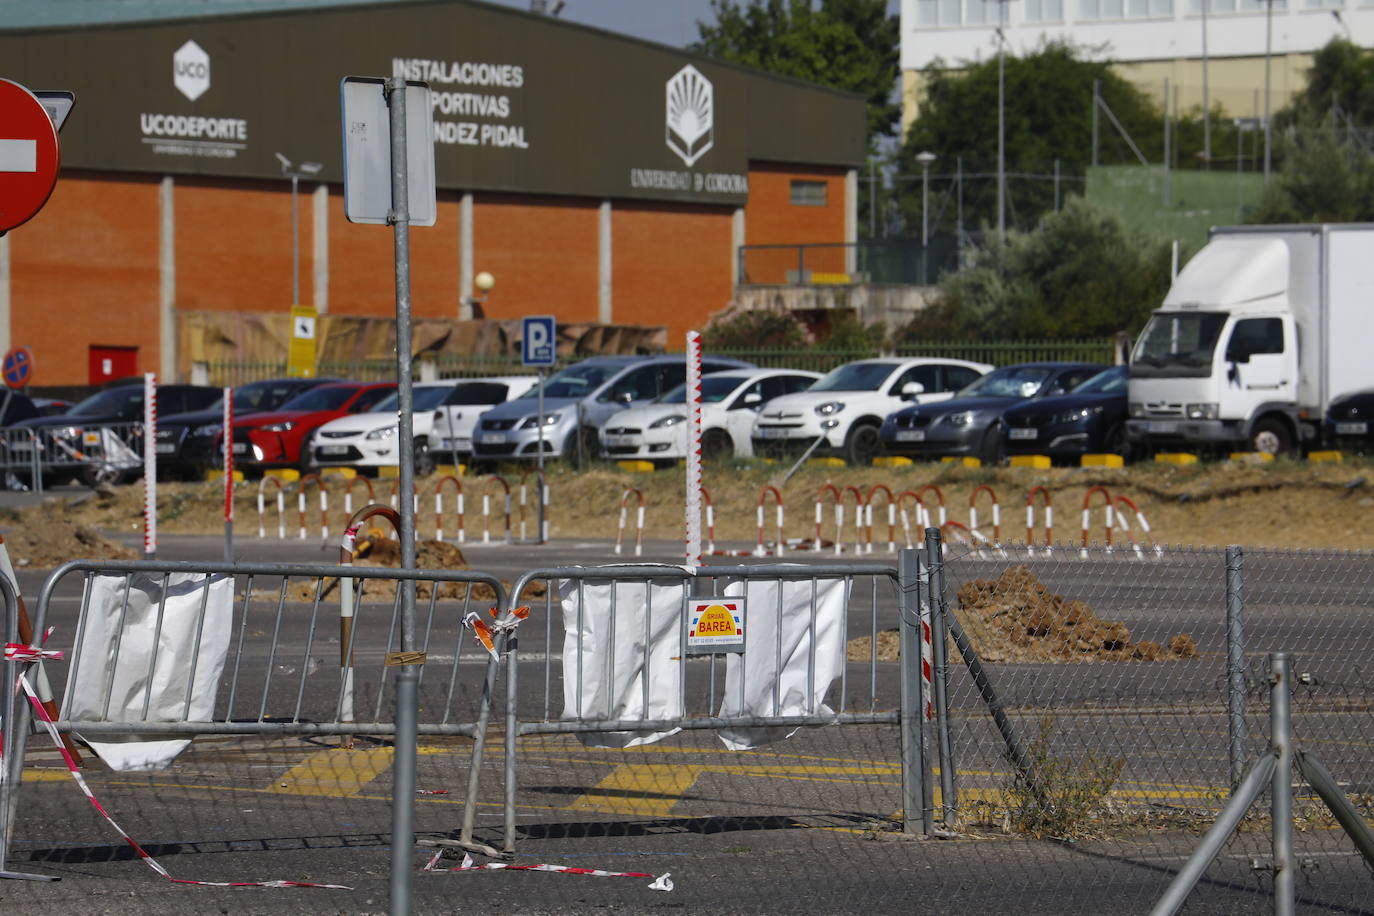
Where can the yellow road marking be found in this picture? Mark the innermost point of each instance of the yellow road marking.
(32, 775)
(644, 789)
(340, 772)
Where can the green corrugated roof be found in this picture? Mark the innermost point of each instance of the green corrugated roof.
(23, 14)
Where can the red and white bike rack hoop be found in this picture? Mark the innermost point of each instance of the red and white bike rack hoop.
(1121, 505)
(996, 516)
(779, 544)
(624, 517)
(262, 506)
(921, 513)
(1030, 520)
(953, 532)
(439, 506)
(543, 498)
(348, 494)
(834, 492)
(709, 509)
(926, 521)
(324, 504)
(492, 482)
(1087, 516)
(395, 497)
(891, 518)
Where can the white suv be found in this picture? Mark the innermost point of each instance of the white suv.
(847, 406)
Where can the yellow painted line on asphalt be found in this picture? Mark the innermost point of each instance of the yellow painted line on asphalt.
(644, 789)
(34, 775)
(337, 773)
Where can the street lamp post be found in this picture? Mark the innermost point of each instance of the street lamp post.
(1268, 49)
(925, 158)
(295, 173)
(1001, 118)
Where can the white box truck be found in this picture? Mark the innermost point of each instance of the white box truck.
(1261, 329)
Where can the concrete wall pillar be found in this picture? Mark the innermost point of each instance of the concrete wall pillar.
(851, 220)
(320, 224)
(167, 284)
(465, 257)
(736, 243)
(605, 263)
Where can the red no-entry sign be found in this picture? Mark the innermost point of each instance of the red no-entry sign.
(29, 155)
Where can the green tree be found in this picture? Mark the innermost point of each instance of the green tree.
(1081, 273)
(1322, 179)
(754, 330)
(1341, 79)
(845, 44)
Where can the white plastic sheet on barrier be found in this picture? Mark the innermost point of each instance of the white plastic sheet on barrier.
(778, 648)
(122, 656)
(624, 628)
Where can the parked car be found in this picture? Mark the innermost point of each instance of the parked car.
(51, 407)
(1348, 421)
(1090, 419)
(276, 438)
(577, 402)
(189, 444)
(730, 402)
(450, 435)
(15, 407)
(971, 422)
(79, 442)
(846, 407)
(368, 441)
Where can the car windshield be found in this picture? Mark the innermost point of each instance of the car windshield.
(260, 396)
(714, 389)
(474, 393)
(326, 397)
(574, 382)
(1177, 344)
(426, 397)
(1108, 381)
(1008, 382)
(125, 403)
(855, 377)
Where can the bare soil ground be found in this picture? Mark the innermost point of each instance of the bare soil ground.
(1280, 504)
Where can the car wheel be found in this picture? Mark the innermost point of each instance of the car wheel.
(1271, 438)
(424, 461)
(717, 445)
(1116, 443)
(861, 446)
(992, 449)
(581, 448)
(100, 474)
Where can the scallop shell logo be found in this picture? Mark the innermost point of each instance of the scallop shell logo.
(691, 121)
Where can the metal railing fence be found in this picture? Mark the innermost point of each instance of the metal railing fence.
(93, 452)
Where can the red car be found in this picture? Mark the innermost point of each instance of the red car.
(275, 439)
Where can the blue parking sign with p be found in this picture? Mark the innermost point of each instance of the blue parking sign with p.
(537, 340)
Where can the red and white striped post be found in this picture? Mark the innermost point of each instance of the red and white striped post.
(693, 502)
(149, 466)
(228, 442)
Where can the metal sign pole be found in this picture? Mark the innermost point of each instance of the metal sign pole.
(228, 441)
(407, 675)
(539, 533)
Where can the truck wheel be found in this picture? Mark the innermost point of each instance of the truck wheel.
(861, 445)
(1272, 438)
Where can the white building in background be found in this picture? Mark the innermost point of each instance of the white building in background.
(1151, 41)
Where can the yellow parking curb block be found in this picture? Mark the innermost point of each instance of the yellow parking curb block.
(893, 461)
(1040, 462)
(285, 475)
(1251, 457)
(825, 462)
(345, 473)
(963, 462)
(1179, 458)
(219, 475)
(1101, 461)
(636, 466)
(389, 471)
(449, 469)
(1325, 456)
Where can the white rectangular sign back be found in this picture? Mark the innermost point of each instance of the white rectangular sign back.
(367, 151)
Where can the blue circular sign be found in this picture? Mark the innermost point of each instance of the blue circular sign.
(18, 367)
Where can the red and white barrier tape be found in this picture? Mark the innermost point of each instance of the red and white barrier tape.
(663, 882)
(486, 632)
(152, 863)
(18, 652)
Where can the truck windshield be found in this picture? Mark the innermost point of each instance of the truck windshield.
(1177, 344)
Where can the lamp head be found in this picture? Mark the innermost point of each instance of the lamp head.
(285, 163)
(926, 158)
(484, 281)
(310, 168)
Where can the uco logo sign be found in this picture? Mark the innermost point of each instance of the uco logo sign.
(690, 115)
(191, 70)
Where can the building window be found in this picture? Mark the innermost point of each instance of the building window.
(1044, 10)
(1254, 6)
(808, 193)
(1324, 4)
(937, 12)
(1127, 9)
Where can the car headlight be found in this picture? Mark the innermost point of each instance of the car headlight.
(532, 422)
(1081, 413)
(1207, 411)
(962, 418)
(282, 427)
(829, 408)
(209, 429)
(670, 420)
(1136, 409)
(383, 432)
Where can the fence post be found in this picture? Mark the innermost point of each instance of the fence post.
(1281, 789)
(915, 788)
(12, 700)
(1235, 658)
(935, 557)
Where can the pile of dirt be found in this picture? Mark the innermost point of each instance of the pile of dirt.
(48, 542)
(1015, 618)
(385, 553)
(889, 647)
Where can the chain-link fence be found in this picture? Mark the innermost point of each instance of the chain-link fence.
(1071, 725)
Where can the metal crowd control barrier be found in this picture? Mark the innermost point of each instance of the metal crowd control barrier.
(271, 684)
(97, 452)
(875, 595)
